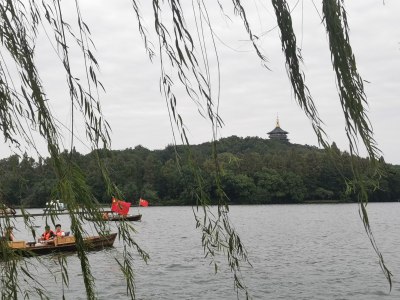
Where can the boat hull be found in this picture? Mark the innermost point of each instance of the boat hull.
(116, 218)
(126, 218)
(91, 243)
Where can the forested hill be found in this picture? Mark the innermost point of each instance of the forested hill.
(253, 171)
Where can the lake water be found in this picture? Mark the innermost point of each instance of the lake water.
(297, 252)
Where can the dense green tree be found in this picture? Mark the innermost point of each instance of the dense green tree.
(256, 173)
(239, 188)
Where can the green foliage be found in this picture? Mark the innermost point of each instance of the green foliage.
(253, 171)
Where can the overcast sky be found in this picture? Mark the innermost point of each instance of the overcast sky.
(251, 96)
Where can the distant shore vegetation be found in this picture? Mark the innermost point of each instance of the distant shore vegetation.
(252, 171)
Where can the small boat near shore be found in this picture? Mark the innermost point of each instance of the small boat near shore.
(111, 216)
(62, 244)
(55, 206)
(119, 212)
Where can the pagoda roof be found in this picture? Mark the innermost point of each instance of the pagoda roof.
(278, 130)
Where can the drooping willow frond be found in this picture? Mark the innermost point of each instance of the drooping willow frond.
(177, 50)
(353, 101)
(19, 25)
(351, 93)
(350, 84)
(239, 9)
(293, 67)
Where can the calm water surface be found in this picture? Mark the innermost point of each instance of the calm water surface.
(297, 252)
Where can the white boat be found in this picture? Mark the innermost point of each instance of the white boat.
(55, 205)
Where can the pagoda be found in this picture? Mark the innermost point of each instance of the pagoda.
(278, 133)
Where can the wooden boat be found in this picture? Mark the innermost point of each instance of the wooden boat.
(119, 212)
(62, 244)
(112, 216)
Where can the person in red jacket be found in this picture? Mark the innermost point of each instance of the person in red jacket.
(47, 235)
(59, 231)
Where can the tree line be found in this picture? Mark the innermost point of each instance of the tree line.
(249, 171)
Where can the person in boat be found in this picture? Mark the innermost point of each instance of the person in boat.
(59, 231)
(47, 235)
(105, 216)
(9, 235)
